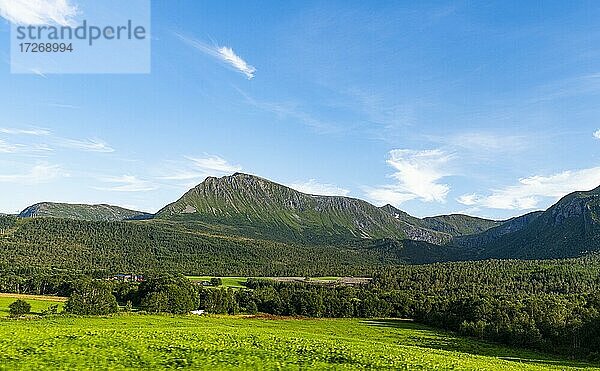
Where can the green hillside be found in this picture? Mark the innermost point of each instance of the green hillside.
(82, 212)
(459, 225)
(166, 246)
(252, 206)
(569, 228)
(451, 225)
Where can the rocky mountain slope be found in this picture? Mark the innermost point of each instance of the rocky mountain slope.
(250, 205)
(569, 228)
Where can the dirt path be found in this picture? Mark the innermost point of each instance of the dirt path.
(34, 297)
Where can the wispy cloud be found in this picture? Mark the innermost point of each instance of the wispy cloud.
(418, 175)
(196, 169)
(88, 145)
(597, 134)
(214, 165)
(33, 131)
(315, 188)
(229, 56)
(528, 192)
(127, 183)
(38, 12)
(62, 105)
(40, 173)
(6, 147)
(46, 141)
(291, 110)
(484, 142)
(223, 53)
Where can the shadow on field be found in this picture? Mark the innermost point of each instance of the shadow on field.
(426, 337)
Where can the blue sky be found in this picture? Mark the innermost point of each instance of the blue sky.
(436, 107)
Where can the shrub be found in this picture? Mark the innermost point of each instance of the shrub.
(19, 308)
(53, 309)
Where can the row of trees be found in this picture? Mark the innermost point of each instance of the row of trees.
(161, 294)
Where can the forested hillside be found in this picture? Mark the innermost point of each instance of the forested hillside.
(82, 212)
(162, 246)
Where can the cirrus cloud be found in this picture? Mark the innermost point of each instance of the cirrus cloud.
(197, 168)
(40, 173)
(127, 183)
(223, 53)
(38, 12)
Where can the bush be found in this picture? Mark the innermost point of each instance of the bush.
(216, 281)
(19, 308)
(53, 309)
(92, 298)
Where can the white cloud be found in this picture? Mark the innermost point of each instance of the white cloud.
(41, 173)
(89, 145)
(528, 192)
(38, 12)
(468, 199)
(214, 165)
(418, 175)
(238, 63)
(223, 53)
(10, 148)
(34, 131)
(489, 141)
(597, 134)
(127, 183)
(315, 188)
(6, 147)
(198, 168)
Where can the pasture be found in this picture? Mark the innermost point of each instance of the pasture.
(137, 341)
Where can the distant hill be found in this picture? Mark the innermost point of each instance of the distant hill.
(82, 212)
(453, 225)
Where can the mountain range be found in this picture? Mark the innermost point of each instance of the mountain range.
(243, 212)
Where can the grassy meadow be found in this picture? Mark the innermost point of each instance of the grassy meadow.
(250, 343)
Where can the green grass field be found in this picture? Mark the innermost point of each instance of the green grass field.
(38, 303)
(221, 342)
(238, 282)
(233, 282)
